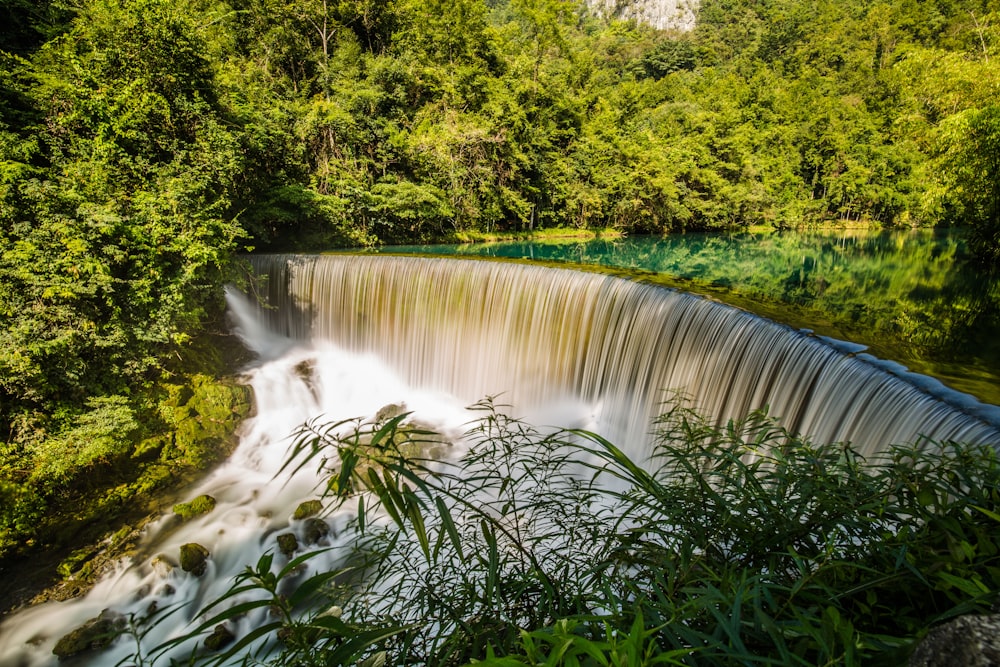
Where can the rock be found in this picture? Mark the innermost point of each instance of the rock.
(93, 635)
(203, 415)
(307, 509)
(194, 558)
(420, 440)
(77, 561)
(307, 371)
(203, 504)
(970, 641)
(288, 543)
(315, 530)
(220, 638)
(391, 411)
(162, 565)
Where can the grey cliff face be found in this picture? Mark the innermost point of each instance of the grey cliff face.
(663, 14)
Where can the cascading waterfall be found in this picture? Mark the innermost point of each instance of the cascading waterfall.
(342, 336)
(253, 507)
(619, 347)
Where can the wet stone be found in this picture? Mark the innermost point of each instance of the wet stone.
(203, 504)
(307, 509)
(162, 565)
(220, 638)
(93, 635)
(390, 411)
(315, 530)
(970, 641)
(194, 558)
(288, 543)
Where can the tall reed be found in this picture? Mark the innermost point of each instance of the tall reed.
(740, 545)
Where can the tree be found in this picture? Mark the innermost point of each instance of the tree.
(972, 159)
(114, 255)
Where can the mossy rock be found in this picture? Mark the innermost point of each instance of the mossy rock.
(378, 446)
(76, 561)
(203, 504)
(150, 448)
(411, 438)
(221, 637)
(93, 635)
(390, 411)
(315, 530)
(288, 543)
(204, 415)
(194, 558)
(307, 509)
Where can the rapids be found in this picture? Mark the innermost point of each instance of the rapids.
(341, 336)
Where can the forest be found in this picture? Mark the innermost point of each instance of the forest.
(146, 144)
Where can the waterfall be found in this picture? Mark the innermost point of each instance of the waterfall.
(618, 347)
(340, 337)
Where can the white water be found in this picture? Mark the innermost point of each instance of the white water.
(252, 506)
(533, 333)
(565, 348)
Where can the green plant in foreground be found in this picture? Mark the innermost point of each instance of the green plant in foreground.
(736, 545)
(302, 635)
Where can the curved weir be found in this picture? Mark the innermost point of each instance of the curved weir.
(533, 334)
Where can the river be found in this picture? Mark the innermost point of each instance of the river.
(341, 337)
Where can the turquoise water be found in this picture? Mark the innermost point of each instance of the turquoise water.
(913, 296)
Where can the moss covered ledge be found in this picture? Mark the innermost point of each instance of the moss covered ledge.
(188, 426)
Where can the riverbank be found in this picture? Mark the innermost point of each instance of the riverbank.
(553, 235)
(541, 235)
(191, 425)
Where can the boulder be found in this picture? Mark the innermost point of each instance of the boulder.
(93, 635)
(307, 509)
(315, 530)
(220, 638)
(288, 543)
(203, 504)
(390, 411)
(970, 641)
(162, 565)
(194, 558)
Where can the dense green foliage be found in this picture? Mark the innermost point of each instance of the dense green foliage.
(739, 545)
(117, 175)
(143, 142)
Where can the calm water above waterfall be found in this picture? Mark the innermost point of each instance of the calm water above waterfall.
(911, 296)
(341, 336)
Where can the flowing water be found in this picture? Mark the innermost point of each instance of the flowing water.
(915, 296)
(621, 347)
(340, 337)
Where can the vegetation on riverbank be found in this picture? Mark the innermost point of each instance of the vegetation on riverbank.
(552, 234)
(743, 545)
(72, 505)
